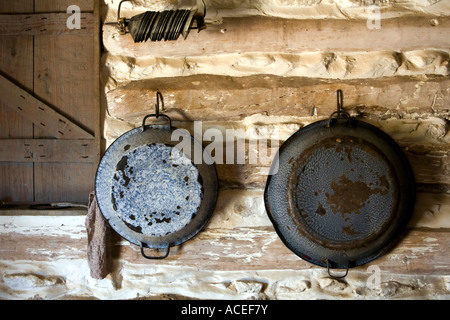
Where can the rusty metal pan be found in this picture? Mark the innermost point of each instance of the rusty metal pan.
(343, 192)
(150, 190)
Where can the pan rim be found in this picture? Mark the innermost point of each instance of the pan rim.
(104, 171)
(340, 257)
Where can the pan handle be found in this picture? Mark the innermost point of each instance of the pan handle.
(159, 98)
(157, 257)
(156, 116)
(335, 276)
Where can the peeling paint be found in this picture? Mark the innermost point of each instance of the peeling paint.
(49, 226)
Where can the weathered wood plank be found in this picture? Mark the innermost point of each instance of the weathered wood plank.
(64, 181)
(21, 6)
(47, 150)
(65, 78)
(424, 141)
(238, 254)
(261, 34)
(221, 98)
(62, 5)
(16, 61)
(69, 279)
(17, 181)
(239, 236)
(99, 109)
(45, 117)
(43, 209)
(44, 24)
(421, 251)
(238, 208)
(429, 168)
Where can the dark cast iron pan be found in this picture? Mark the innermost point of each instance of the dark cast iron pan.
(343, 192)
(152, 193)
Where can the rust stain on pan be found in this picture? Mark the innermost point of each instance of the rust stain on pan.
(351, 196)
(346, 178)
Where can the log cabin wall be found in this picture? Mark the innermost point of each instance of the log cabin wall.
(272, 67)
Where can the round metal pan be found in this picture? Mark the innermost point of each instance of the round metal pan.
(151, 192)
(343, 192)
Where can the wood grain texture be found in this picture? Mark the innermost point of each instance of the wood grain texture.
(65, 80)
(20, 6)
(64, 181)
(43, 24)
(47, 150)
(262, 34)
(429, 168)
(16, 61)
(238, 236)
(237, 255)
(53, 123)
(54, 65)
(222, 98)
(247, 248)
(64, 76)
(62, 5)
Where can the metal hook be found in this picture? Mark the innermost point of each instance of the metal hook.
(118, 9)
(122, 22)
(204, 8)
(340, 112)
(159, 99)
(340, 101)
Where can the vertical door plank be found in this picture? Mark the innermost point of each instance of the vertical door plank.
(69, 182)
(64, 79)
(16, 63)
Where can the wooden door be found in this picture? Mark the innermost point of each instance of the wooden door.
(49, 101)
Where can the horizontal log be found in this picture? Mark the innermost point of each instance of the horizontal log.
(45, 24)
(239, 223)
(47, 150)
(69, 279)
(429, 168)
(42, 209)
(424, 141)
(234, 209)
(260, 34)
(222, 98)
(421, 251)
